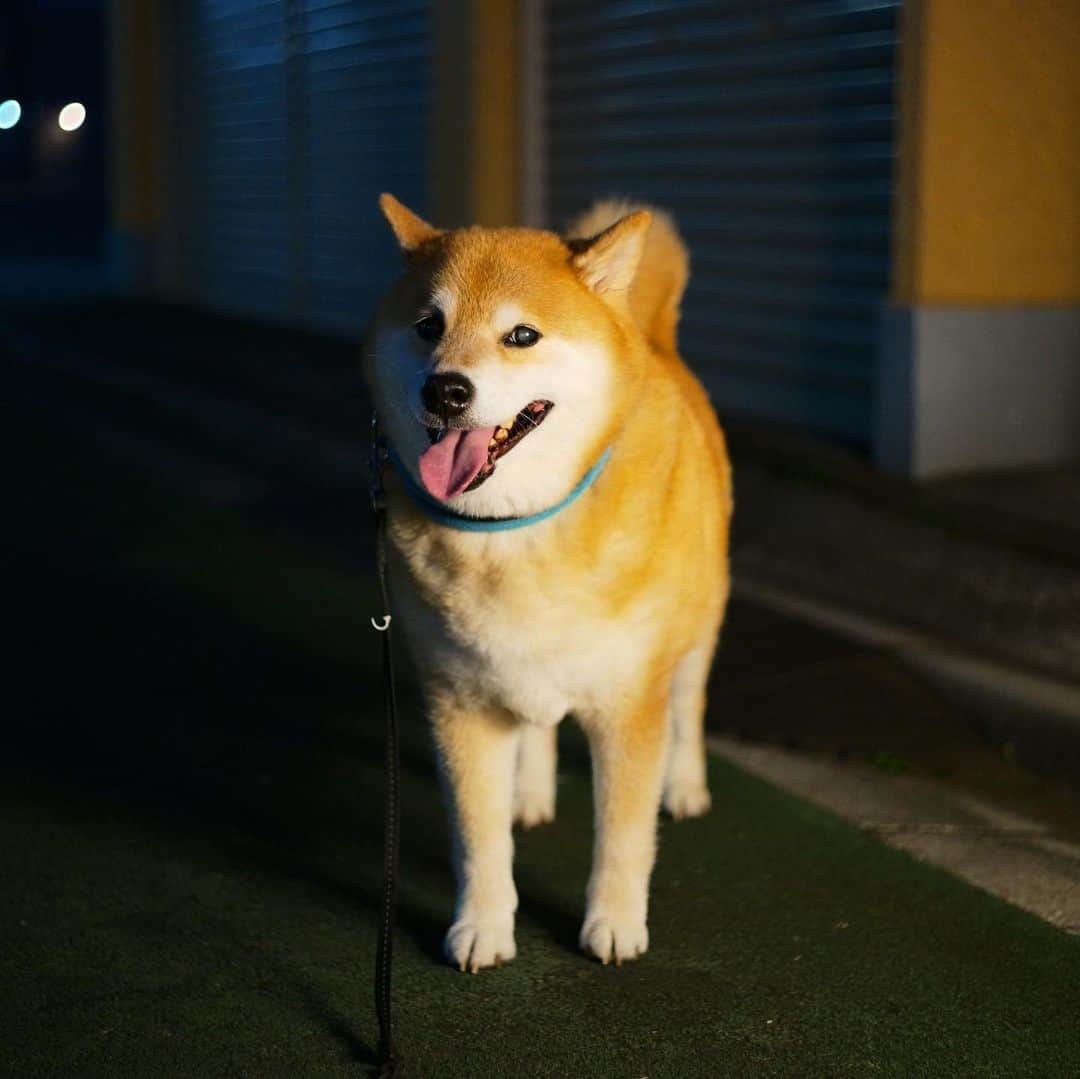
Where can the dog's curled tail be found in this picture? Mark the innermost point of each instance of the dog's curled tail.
(662, 274)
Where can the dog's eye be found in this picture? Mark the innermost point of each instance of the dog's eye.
(430, 327)
(522, 337)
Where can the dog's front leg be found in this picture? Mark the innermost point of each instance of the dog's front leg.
(477, 748)
(628, 759)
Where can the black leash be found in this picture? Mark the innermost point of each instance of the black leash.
(388, 1058)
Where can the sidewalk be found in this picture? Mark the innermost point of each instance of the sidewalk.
(191, 788)
(985, 565)
(1014, 857)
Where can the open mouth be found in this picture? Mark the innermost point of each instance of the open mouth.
(461, 460)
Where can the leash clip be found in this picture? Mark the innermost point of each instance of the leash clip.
(386, 620)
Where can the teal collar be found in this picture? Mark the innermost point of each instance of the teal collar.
(441, 514)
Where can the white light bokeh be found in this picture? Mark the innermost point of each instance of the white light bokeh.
(10, 111)
(71, 117)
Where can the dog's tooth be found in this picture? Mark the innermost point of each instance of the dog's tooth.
(501, 434)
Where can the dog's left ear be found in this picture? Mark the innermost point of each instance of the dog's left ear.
(608, 262)
(411, 231)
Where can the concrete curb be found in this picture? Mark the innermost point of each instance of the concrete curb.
(1014, 858)
(938, 659)
(857, 553)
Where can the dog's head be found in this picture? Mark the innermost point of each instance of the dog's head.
(502, 360)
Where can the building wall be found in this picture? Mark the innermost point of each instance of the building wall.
(986, 218)
(992, 172)
(138, 141)
(475, 113)
(980, 359)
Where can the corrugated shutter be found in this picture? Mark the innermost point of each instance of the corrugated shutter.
(294, 115)
(767, 128)
(366, 91)
(234, 216)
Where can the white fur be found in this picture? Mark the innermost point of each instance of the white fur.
(545, 466)
(534, 783)
(444, 299)
(540, 675)
(686, 792)
(482, 934)
(509, 315)
(548, 463)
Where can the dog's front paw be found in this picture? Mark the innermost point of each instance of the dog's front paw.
(474, 943)
(687, 799)
(533, 806)
(613, 938)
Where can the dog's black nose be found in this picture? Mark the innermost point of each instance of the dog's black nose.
(447, 395)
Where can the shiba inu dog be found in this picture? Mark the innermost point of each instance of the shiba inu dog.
(559, 506)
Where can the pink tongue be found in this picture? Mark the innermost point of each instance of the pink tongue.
(448, 466)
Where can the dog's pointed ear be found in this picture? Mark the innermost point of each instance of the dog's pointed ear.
(411, 231)
(608, 261)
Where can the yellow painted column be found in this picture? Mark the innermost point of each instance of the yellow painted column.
(475, 176)
(988, 207)
(977, 366)
(137, 137)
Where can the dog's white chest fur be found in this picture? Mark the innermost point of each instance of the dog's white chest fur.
(512, 638)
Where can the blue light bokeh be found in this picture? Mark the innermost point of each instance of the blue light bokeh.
(10, 113)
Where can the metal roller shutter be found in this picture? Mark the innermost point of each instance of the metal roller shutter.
(365, 89)
(767, 128)
(294, 115)
(232, 155)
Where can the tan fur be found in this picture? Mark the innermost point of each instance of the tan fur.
(610, 610)
(661, 278)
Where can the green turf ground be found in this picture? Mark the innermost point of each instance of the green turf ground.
(190, 842)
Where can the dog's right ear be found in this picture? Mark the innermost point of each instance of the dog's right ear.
(411, 231)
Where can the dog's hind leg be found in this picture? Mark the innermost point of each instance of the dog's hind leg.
(686, 792)
(476, 748)
(534, 783)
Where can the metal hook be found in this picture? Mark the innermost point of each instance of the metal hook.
(386, 620)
